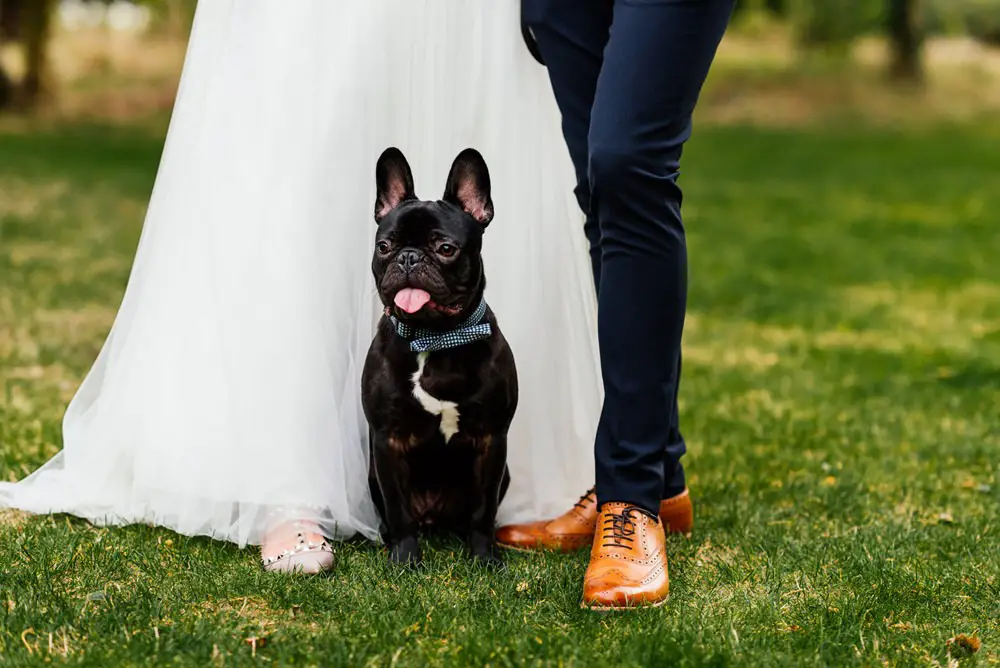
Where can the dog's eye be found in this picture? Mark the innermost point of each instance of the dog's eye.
(383, 247)
(447, 250)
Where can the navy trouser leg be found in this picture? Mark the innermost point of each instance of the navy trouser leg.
(641, 65)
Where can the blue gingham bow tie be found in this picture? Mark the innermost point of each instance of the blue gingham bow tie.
(427, 341)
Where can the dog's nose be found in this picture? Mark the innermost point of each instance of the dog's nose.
(408, 259)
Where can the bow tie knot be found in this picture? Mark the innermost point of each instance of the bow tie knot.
(425, 340)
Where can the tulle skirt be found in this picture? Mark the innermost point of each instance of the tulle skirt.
(227, 395)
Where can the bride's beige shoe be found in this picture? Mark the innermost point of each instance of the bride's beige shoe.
(296, 547)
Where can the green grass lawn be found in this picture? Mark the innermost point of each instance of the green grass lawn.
(841, 397)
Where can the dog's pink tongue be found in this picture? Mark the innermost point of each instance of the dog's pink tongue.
(412, 300)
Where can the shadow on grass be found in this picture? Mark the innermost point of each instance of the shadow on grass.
(977, 375)
(123, 156)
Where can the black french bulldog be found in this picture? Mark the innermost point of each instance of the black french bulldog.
(439, 386)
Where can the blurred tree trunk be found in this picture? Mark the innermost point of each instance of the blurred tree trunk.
(906, 40)
(37, 24)
(6, 89)
(9, 11)
(4, 79)
(180, 14)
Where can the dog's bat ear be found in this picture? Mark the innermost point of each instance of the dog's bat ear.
(394, 182)
(469, 186)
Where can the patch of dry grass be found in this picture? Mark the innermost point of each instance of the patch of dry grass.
(767, 81)
(14, 519)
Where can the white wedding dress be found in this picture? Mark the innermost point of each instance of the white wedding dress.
(227, 392)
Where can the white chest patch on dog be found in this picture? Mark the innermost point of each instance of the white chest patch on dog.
(448, 410)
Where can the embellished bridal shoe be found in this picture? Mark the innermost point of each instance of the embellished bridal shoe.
(296, 547)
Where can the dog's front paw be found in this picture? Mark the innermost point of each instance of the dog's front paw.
(485, 551)
(406, 552)
(491, 561)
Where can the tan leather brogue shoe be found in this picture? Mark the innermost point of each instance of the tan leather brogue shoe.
(575, 529)
(628, 562)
